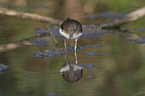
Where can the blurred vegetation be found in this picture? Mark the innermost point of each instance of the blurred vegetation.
(121, 74)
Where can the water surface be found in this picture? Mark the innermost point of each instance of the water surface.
(112, 61)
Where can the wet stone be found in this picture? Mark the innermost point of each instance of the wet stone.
(88, 65)
(140, 29)
(90, 76)
(38, 41)
(93, 54)
(141, 40)
(57, 52)
(99, 67)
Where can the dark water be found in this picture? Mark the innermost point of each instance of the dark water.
(110, 62)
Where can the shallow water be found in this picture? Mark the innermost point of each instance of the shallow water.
(110, 62)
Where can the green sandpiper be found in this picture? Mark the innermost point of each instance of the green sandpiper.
(72, 30)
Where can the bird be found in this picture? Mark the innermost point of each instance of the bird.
(71, 29)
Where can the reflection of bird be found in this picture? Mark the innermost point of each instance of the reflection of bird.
(71, 29)
(71, 72)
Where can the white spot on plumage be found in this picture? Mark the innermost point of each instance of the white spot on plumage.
(67, 35)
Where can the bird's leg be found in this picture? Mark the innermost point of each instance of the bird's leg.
(76, 50)
(65, 43)
(76, 45)
(65, 58)
(76, 57)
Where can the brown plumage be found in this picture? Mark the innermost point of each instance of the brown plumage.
(71, 26)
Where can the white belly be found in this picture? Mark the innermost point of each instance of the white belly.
(67, 36)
